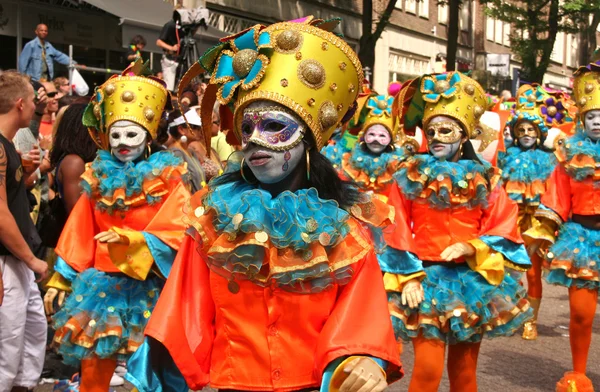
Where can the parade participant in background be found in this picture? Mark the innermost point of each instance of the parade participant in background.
(345, 137)
(455, 229)
(38, 56)
(276, 286)
(526, 167)
(571, 204)
(121, 236)
(134, 51)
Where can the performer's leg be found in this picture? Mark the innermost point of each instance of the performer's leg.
(462, 366)
(582, 303)
(429, 365)
(96, 374)
(534, 295)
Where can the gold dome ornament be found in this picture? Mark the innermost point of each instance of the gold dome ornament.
(102, 113)
(441, 86)
(552, 110)
(469, 89)
(382, 105)
(243, 62)
(291, 69)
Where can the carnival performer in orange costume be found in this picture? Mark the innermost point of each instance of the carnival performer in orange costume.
(571, 204)
(526, 167)
(276, 287)
(455, 230)
(121, 237)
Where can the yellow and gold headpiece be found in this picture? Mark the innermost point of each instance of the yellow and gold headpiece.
(454, 95)
(380, 112)
(131, 96)
(586, 88)
(299, 64)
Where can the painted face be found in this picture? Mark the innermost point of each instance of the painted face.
(127, 140)
(591, 122)
(527, 134)
(377, 138)
(271, 141)
(444, 137)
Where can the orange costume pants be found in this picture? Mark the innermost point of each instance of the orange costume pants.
(96, 374)
(429, 365)
(582, 303)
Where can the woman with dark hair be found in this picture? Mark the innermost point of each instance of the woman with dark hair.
(282, 281)
(72, 149)
(136, 45)
(455, 230)
(526, 168)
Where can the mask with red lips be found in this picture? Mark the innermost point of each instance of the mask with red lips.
(127, 140)
(271, 140)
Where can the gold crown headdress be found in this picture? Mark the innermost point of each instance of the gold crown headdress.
(299, 64)
(586, 88)
(131, 96)
(530, 101)
(454, 95)
(380, 112)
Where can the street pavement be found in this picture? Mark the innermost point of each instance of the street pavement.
(513, 364)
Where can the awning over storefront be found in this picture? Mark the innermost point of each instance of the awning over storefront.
(146, 18)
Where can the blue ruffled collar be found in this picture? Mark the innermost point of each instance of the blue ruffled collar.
(107, 175)
(291, 219)
(580, 145)
(445, 184)
(374, 165)
(526, 166)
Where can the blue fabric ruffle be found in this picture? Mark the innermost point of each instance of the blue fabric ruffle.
(461, 306)
(374, 165)
(399, 262)
(109, 313)
(65, 269)
(284, 217)
(526, 166)
(432, 168)
(580, 144)
(343, 142)
(515, 253)
(577, 248)
(163, 255)
(113, 174)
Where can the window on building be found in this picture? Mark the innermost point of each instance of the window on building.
(398, 4)
(410, 6)
(572, 48)
(464, 16)
(442, 14)
(506, 35)
(558, 53)
(424, 9)
(489, 28)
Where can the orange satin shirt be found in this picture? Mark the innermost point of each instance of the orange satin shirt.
(268, 339)
(427, 231)
(566, 195)
(79, 249)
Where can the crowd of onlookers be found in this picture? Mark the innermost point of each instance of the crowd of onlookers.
(44, 149)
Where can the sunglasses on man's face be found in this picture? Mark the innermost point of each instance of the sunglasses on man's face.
(52, 94)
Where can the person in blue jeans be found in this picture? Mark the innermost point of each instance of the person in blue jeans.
(38, 56)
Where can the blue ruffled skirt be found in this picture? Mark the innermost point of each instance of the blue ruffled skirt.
(104, 316)
(461, 306)
(573, 260)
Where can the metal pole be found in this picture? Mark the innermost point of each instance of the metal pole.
(71, 68)
(152, 61)
(19, 33)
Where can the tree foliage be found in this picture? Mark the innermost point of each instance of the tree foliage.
(535, 25)
(370, 33)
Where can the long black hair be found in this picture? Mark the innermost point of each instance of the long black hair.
(323, 177)
(72, 137)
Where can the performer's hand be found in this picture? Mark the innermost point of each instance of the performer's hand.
(365, 375)
(39, 267)
(110, 237)
(412, 293)
(49, 299)
(457, 250)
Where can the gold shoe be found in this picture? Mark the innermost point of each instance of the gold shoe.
(530, 331)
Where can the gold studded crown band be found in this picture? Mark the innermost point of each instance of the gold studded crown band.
(586, 88)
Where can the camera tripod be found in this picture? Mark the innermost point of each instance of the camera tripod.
(188, 55)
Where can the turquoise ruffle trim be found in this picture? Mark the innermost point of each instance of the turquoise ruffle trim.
(284, 217)
(461, 306)
(433, 169)
(580, 144)
(515, 253)
(104, 316)
(526, 166)
(339, 145)
(374, 165)
(576, 257)
(113, 174)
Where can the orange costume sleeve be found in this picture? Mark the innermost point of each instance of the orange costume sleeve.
(76, 244)
(558, 194)
(500, 217)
